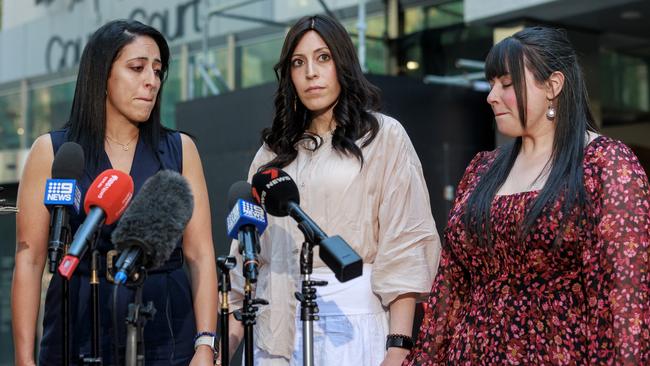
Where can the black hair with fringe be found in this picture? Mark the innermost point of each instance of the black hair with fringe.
(542, 51)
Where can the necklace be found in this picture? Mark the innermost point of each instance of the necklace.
(125, 147)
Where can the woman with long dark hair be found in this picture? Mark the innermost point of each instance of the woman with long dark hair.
(115, 117)
(547, 246)
(358, 177)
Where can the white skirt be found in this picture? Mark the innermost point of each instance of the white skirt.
(351, 330)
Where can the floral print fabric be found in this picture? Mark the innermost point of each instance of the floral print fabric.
(584, 301)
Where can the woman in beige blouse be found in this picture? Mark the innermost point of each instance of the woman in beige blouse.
(359, 177)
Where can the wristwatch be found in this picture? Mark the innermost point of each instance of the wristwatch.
(204, 340)
(207, 339)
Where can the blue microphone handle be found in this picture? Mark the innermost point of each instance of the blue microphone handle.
(84, 234)
(126, 263)
(249, 247)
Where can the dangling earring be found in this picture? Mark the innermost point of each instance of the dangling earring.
(550, 112)
(295, 102)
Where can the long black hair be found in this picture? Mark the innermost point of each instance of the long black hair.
(542, 51)
(352, 113)
(87, 122)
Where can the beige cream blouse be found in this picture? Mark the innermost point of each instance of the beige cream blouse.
(382, 210)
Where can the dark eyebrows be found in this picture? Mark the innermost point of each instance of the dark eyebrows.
(143, 58)
(324, 48)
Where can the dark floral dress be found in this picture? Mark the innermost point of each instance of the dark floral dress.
(583, 302)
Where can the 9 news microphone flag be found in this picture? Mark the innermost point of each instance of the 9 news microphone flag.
(62, 195)
(246, 222)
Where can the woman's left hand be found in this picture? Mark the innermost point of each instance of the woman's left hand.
(203, 356)
(395, 356)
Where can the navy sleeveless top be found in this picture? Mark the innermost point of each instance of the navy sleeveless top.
(168, 337)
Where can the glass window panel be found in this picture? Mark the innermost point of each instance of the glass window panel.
(414, 63)
(414, 19)
(418, 18)
(10, 121)
(625, 82)
(257, 61)
(49, 108)
(216, 67)
(435, 51)
(444, 15)
(376, 55)
(375, 25)
(376, 51)
(171, 94)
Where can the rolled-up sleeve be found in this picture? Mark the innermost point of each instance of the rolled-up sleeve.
(409, 246)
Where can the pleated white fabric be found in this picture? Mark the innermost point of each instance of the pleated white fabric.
(351, 330)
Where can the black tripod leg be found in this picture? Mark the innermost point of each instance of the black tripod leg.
(225, 342)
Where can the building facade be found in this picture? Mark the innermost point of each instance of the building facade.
(219, 46)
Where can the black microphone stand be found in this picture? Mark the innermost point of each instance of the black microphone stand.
(60, 238)
(95, 352)
(136, 320)
(225, 264)
(307, 296)
(247, 315)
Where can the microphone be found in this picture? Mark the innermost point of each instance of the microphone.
(106, 199)
(61, 195)
(152, 225)
(278, 194)
(246, 222)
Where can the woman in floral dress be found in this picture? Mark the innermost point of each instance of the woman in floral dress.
(545, 260)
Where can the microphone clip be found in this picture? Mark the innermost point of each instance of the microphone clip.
(247, 314)
(225, 264)
(110, 264)
(310, 235)
(134, 280)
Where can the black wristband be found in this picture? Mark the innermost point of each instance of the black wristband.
(399, 340)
